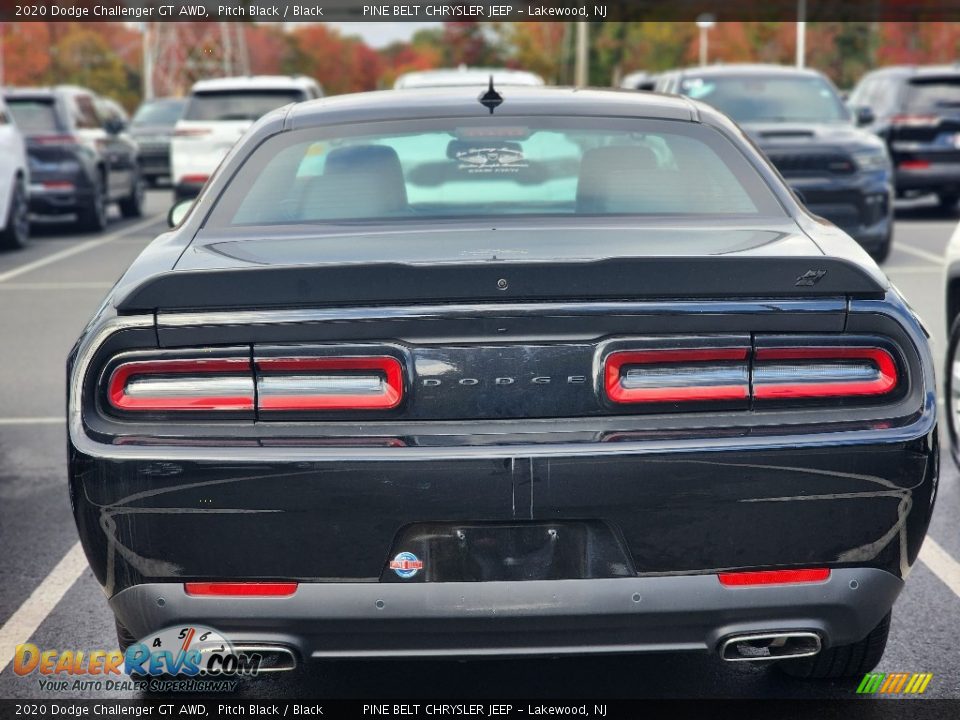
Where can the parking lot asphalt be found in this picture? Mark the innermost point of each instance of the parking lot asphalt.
(49, 291)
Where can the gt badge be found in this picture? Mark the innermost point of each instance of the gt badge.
(406, 565)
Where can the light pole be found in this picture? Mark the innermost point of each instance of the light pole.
(801, 33)
(581, 73)
(705, 22)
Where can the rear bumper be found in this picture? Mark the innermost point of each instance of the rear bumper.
(939, 177)
(686, 613)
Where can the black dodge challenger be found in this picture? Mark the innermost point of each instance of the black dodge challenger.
(537, 372)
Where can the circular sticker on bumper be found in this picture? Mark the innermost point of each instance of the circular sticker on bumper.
(406, 565)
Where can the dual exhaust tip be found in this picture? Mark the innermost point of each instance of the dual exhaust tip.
(770, 646)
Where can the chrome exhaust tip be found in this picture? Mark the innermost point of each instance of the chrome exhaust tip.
(770, 646)
(273, 658)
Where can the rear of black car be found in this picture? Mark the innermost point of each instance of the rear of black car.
(63, 170)
(585, 431)
(923, 134)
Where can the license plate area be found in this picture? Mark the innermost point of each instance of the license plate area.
(488, 552)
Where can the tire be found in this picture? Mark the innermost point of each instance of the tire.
(132, 205)
(93, 217)
(882, 251)
(843, 661)
(16, 234)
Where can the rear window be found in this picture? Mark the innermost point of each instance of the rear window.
(164, 113)
(933, 93)
(238, 104)
(498, 167)
(34, 116)
(768, 98)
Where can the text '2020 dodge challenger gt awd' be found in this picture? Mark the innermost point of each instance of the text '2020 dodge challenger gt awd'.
(540, 372)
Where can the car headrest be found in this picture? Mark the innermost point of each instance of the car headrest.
(617, 178)
(362, 181)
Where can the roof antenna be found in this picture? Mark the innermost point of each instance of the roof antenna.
(491, 98)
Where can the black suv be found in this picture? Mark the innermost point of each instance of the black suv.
(916, 110)
(80, 159)
(798, 119)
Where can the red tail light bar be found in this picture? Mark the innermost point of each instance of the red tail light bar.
(342, 383)
(822, 372)
(274, 384)
(170, 385)
(915, 120)
(724, 374)
(637, 376)
(774, 577)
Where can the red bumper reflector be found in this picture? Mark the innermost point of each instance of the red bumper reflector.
(679, 375)
(774, 577)
(241, 589)
(329, 383)
(914, 164)
(822, 372)
(165, 385)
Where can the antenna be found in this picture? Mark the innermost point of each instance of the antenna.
(491, 98)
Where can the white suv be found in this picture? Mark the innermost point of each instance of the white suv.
(218, 112)
(14, 181)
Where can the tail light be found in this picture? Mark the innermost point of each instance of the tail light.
(915, 120)
(725, 374)
(340, 383)
(822, 372)
(774, 577)
(269, 384)
(194, 179)
(191, 132)
(59, 139)
(681, 375)
(914, 164)
(171, 385)
(58, 185)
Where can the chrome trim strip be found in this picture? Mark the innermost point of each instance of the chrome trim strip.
(421, 312)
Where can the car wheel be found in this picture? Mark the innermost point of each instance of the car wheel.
(842, 661)
(948, 201)
(952, 387)
(132, 205)
(93, 217)
(16, 233)
(882, 251)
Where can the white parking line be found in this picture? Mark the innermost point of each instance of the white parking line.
(24, 622)
(76, 249)
(908, 269)
(51, 420)
(917, 252)
(57, 286)
(941, 564)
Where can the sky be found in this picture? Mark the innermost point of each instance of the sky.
(381, 34)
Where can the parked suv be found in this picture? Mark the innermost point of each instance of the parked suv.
(152, 128)
(218, 112)
(14, 181)
(800, 122)
(81, 159)
(916, 110)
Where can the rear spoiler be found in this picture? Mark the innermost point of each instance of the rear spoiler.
(394, 283)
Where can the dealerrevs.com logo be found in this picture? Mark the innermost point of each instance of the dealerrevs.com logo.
(190, 658)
